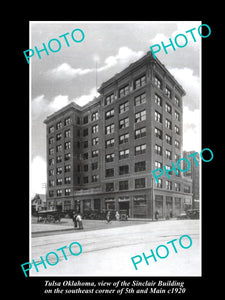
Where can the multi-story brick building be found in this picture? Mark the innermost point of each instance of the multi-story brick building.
(101, 156)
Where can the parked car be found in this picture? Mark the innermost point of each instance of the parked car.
(182, 216)
(193, 213)
(189, 214)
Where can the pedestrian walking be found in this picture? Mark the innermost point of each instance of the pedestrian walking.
(157, 215)
(79, 221)
(117, 215)
(108, 217)
(74, 217)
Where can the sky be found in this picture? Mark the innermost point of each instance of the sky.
(69, 75)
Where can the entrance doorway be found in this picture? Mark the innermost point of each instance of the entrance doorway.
(125, 206)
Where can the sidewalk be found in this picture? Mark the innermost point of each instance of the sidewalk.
(67, 224)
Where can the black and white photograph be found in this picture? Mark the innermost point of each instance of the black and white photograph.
(115, 148)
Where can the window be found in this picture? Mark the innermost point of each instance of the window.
(94, 153)
(168, 108)
(168, 154)
(158, 133)
(109, 114)
(94, 178)
(140, 82)
(139, 133)
(168, 185)
(177, 101)
(51, 140)
(95, 141)
(59, 159)
(187, 189)
(51, 172)
(51, 151)
(123, 138)
(85, 179)
(67, 145)
(94, 165)
(109, 157)
(85, 156)
(158, 149)
(158, 117)
(168, 92)
(141, 149)
(51, 129)
(124, 123)
(109, 99)
(139, 183)
(67, 192)
(177, 187)
(141, 99)
(158, 100)
(59, 193)
(51, 183)
(177, 144)
(109, 172)
(158, 165)
(78, 120)
(109, 143)
(159, 183)
(67, 168)
(51, 193)
(94, 129)
(109, 187)
(85, 132)
(59, 125)
(85, 119)
(158, 82)
(124, 107)
(124, 170)
(67, 180)
(59, 148)
(51, 162)
(58, 136)
(140, 166)
(177, 116)
(168, 124)
(94, 116)
(124, 154)
(59, 170)
(67, 133)
(177, 129)
(140, 116)
(85, 144)
(123, 185)
(85, 168)
(59, 181)
(67, 121)
(124, 91)
(109, 129)
(168, 139)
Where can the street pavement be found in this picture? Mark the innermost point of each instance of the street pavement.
(108, 252)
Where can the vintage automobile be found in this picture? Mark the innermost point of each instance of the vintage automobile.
(48, 216)
(189, 214)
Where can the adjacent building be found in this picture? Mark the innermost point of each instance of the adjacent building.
(194, 174)
(101, 156)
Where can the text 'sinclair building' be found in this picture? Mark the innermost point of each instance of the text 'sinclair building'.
(101, 156)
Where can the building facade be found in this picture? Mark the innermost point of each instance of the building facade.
(101, 156)
(194, 174)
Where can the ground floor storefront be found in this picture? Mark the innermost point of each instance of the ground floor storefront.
(137, 204)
